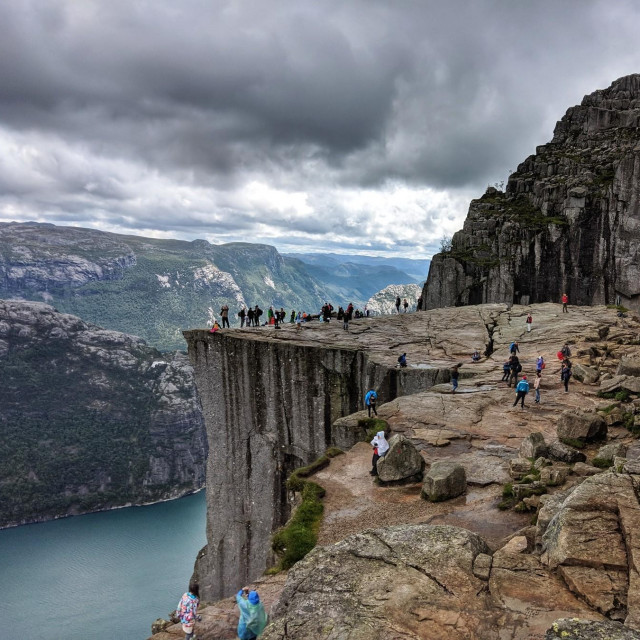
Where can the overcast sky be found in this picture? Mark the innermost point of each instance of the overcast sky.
(348, 125)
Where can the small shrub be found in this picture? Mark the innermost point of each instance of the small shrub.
(622, 396)
(371, 426)
(507, 490)
(608, 409)
(607, 395)
(573, 442)
(602, 463)
(506, 504)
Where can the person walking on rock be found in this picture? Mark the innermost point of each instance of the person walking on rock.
(565, 375)
(516, 368)
(455, 372)
(514, 349)
(253, 618)
(521, 391)
(398, 304)
(529, 322)
(187, 610)
(536, 385)
(506, 371)
(370, 402)
(224, 314)
(540, 365)
(380, 448)
(565, 302)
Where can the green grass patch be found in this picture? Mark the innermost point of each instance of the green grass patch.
(602, 463)
(573, 442)
(507, 490)
(608, 409)
(300, 535)
(506, 503)
(333, 452)
(371, 426)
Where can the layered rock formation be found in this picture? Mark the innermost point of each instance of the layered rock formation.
(569, 220)
(90, 418)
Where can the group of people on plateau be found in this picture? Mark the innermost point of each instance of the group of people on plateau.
(251, 622)
(404, 303)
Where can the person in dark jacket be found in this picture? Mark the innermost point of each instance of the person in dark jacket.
(516, 368)
(506, 371)
(402, 360)
(250, 317)
(370, 402)
(398, 304)
(565, 375)
(455, 373)
(242, 314)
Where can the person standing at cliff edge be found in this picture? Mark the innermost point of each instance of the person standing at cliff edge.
(398, 304)
(224, 314)
(187, 610)
(565, 302)
(370, 402)
(253, 618)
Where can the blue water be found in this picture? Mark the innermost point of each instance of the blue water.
(103, 576)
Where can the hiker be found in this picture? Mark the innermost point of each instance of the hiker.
(253, 618)
(326, 312)
(398, 304)
(292, 319)
(419, 305)
(242, 314)
(224, 314)
(366, 311)
(516, 368)
(514, 348)
(536, 385)
(521, 391)
(340, 315)
(565, 351)
(506, 371)
(370, 402)
(540, 364)
(455, 372)
(283, 315)
(402, 360)
(405, 304)
(380, 448)
(299, 320)
(565, 302)
(529, 322)
(216, 327)
(257, 312)
(476, 356)
(187, 609)
(565, 375)
(250, 317)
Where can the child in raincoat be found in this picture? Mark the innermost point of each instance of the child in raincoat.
(188, 609)
(253, 618)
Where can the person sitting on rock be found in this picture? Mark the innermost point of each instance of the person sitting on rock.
(370, 402)
(216, 327)
(380, 448)
(521, 391)
(253, 618)
(476, 356)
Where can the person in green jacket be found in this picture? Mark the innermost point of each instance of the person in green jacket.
(253, 618)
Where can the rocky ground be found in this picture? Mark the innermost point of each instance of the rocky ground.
(407, 568)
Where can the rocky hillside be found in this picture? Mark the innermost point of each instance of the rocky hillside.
(384, 302)
(546, 528)
(90, 418)
(143, 286)
(569, 220)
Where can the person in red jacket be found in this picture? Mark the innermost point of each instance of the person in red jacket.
(565, 301)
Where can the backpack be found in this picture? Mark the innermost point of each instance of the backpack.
(399, 358)
(511, 346)
(519, 368)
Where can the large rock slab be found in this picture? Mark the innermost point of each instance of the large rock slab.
(533, 446)
(585, 374)
(574, 424)
(444, 480)
(629, 366)
(402, 462)
(593, 540)
(564, 453)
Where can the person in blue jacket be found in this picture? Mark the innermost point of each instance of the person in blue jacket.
(253, 618)
(370, 401)
(521, 391)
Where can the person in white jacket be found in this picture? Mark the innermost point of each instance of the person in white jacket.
(380, 448)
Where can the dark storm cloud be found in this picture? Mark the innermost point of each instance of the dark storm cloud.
(199, 117)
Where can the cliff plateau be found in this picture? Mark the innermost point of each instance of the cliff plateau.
(568, 221)
(90, 418)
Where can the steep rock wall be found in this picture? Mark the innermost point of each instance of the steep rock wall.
(569, 220)
(269, 407)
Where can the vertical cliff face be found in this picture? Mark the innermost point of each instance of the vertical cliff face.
(569, 220)
(269, 405)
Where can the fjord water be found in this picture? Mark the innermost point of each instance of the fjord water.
(101, 576)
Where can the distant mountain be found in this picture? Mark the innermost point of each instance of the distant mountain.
(90, 419)
(148, 287)
(355, 278)
(384, 302)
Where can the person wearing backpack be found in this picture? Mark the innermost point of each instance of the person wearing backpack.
(257, 312)
(187, 610)
(521, 391)
(402, 360)
(370, 402)
(516, 368)
(514, 348)
(565, 375)
(540, 365)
